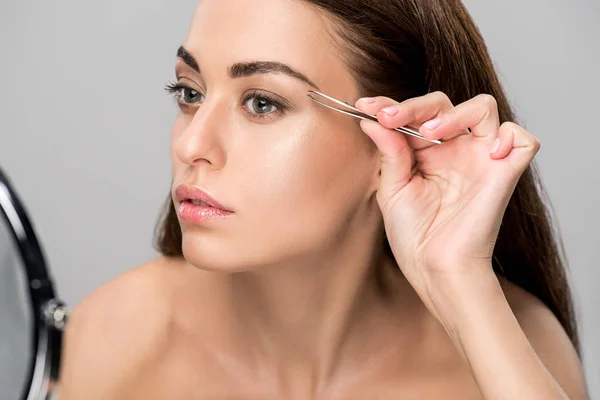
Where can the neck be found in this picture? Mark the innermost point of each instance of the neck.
(309, 317)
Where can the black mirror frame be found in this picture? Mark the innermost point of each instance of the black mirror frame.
(49, 315)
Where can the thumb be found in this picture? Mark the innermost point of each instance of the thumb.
(397, 158)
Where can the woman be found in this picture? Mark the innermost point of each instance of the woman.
(338, 260)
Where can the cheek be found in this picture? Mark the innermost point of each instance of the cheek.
(318, 170)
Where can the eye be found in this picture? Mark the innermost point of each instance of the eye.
(189, 95)
(263, 105)
(260, 105)
(185, 95)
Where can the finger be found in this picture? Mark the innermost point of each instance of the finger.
(397, 158)
(503, 143)
(480, 114)
(412, 112)
(372, 105)
(516, 145)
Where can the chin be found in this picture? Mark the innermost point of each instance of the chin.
(209, 256)
(221, 254)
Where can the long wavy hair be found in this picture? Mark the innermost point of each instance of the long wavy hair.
(407, 48)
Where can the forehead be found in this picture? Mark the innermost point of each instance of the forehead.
(293, 32)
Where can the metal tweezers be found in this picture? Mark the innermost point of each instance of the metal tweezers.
(356, 113)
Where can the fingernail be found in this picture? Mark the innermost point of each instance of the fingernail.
(496, 145)
(391, 111)
(367, 100)
(434, 123)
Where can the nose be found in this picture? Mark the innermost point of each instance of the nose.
(201, 140)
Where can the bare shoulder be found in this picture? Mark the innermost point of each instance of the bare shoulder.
(115, 331)
(548, 338)
(138, 297)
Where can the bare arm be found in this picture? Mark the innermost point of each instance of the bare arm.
(520, 354)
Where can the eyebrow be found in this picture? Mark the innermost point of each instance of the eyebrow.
(187, 58)
(245, 69)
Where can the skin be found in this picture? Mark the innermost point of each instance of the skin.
(280, 299)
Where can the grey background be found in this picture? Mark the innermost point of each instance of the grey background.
(84, 126)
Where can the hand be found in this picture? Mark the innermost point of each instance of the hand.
(442, 205)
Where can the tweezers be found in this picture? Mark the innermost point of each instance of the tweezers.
(356, 113)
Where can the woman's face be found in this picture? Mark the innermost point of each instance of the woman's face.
(297, 176)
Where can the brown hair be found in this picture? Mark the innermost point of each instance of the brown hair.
(407, 48)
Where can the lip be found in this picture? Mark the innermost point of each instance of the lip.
(185, 193)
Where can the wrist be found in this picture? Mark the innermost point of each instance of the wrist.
(462, 300)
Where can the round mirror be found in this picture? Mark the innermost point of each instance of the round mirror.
(31, 317)
(15, 314)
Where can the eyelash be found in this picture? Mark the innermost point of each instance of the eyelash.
(176, 89)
